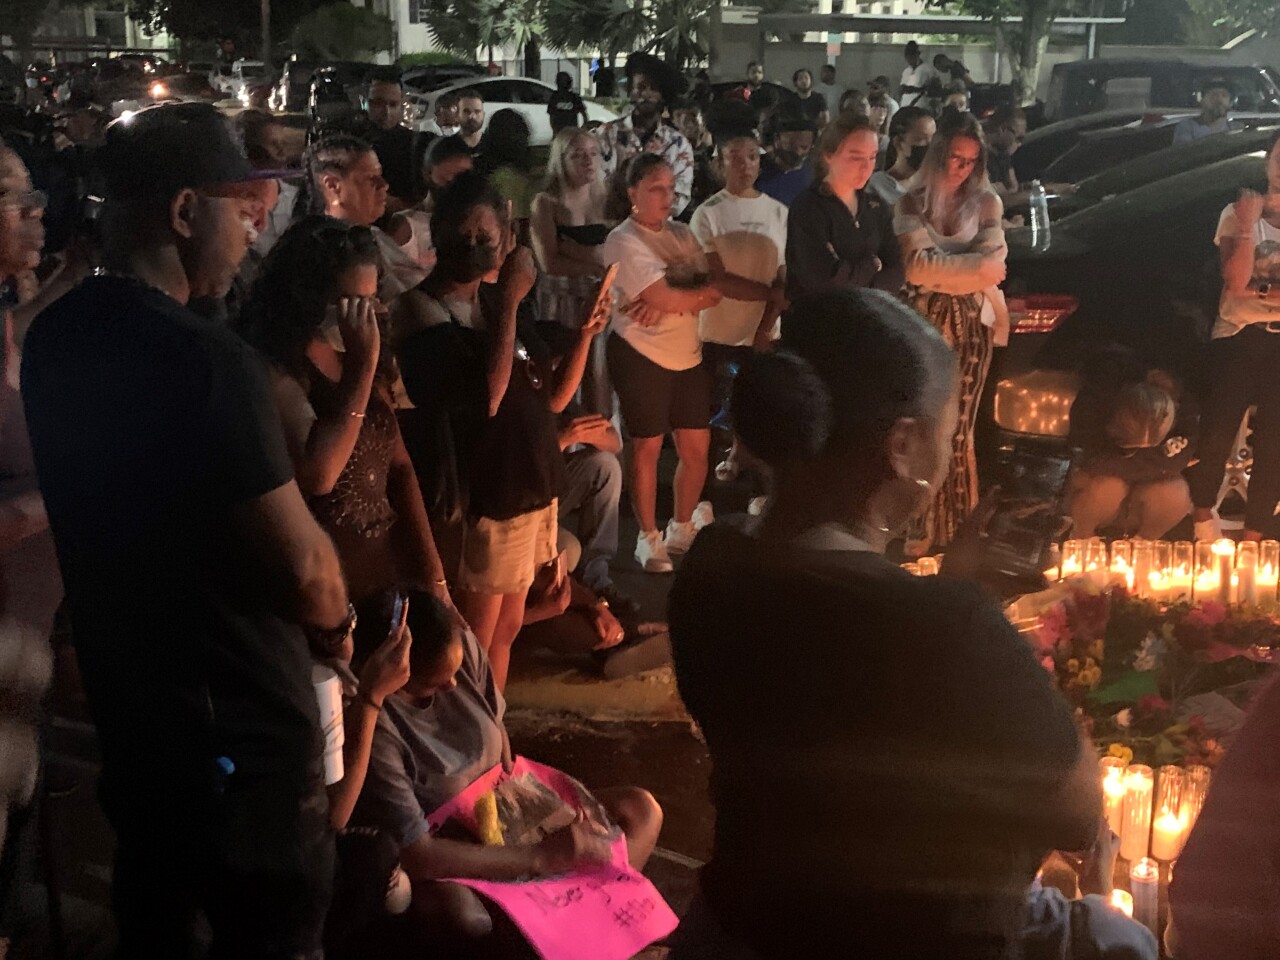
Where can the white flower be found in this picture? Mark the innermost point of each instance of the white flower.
(1150, 654)
(1124, 718)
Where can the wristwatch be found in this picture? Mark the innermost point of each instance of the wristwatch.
(1263, 289)
(331, 639)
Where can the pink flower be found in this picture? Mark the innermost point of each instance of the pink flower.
(1053, 627)
(1207, 613)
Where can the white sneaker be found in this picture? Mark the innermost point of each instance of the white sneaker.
(756, 507)
(703, 515)
(1209, 530)
(680, 536)
(651, 553)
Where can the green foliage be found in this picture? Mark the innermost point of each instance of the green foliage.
(462, 27)
(339, 31)
(215, 19)
(20, 19)
(675, 29)
(428, 58)
(1238, 15)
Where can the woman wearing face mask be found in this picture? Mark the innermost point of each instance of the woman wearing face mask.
(840, 236)
(331, 382)
(910, 767)
(474, 367)
(948, 225)
(909, 134)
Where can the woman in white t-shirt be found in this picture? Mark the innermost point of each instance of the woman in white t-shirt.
(655, 355)
(1244, 356)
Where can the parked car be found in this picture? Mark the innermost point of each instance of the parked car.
(1103, 149)
(1046, 144)
(292, 91)
(1160, 165)
(336, 89)
(221, 79)
(1091, 86)
(433, 76)
(1140, 269)
(246, 74)
(529, 97)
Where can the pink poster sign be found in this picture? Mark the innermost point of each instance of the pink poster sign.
(611, 912)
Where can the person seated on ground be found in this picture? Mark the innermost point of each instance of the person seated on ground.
(344, 176)
(1135, 429)
(477, 372)
(434, 737)
(915, 762)
(1069, 915)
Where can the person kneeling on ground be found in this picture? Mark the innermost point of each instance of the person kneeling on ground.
(1135, 433)
(434, 737)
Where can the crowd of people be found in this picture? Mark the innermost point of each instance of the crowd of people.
(367, 414)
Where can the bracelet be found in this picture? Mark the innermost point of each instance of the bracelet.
(363, 695)
(442, 582)
(358, 414)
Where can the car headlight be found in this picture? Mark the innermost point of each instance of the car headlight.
(159, 91)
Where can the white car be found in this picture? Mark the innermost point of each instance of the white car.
(530, 97)
(245, 73)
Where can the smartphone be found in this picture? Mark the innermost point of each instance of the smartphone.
(602, 309)
(399, 614)
(1029, 517)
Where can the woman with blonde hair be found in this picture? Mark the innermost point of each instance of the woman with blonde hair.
(953, 250)
(567, 227)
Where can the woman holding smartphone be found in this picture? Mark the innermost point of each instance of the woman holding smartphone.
(323, 345)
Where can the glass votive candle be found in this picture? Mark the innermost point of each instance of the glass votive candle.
(1247, 573)
(1072, 558)
(1122, 900)
(1144, 887)
(928, 566)
(1224, 555)
(1120, 573)
(1095, 560)
(1139, 783)
(1268, 573)
(1182, 569)
(1168, 829)
(1206, 585)
(1112, 769)
(1143, 556)
(1195, 787)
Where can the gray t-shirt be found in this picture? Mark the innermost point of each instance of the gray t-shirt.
(425, 756)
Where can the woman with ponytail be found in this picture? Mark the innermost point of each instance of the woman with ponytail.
(891, 761)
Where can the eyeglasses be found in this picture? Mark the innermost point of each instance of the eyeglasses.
(24, 201)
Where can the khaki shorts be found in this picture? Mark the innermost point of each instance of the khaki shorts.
(501, 556)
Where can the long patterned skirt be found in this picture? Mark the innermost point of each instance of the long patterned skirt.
(568, 301)
(959, 318)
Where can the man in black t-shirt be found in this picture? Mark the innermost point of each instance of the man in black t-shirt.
(813, 105)
(565, 106)
(189, 559)
(393, 143)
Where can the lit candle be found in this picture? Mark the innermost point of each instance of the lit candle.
(1181, 570)
(1206, 585)
(1095, 561)
(1247, 573)
(1121, 565)
(1122, 900)
(1143, 566)
(1072, 558)
(1268, 573)
(1136, 833)
(928, 566)
(1168, 830)
(1160, 586)
(1144, 886)
(1195, 787)
(1113, 792)
(1224, 553)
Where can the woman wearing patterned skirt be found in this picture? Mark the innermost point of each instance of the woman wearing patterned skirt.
(953, 249)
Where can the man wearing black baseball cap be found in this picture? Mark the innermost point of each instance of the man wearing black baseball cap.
(190, 560)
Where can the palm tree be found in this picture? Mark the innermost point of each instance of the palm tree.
(676, 28)
(464, 26)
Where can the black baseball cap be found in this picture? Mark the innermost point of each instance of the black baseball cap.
(1217, 83)
(170, 147)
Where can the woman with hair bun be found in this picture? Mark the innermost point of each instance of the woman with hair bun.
(891, 762)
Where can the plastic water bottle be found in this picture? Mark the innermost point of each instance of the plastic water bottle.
(1039, 216)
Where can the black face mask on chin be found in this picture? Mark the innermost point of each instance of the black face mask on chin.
(916, 157)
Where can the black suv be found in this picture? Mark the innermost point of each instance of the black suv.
(1090, 86)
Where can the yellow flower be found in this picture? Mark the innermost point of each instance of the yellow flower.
(1095, 649)
(1121, 751)
(1073, 665)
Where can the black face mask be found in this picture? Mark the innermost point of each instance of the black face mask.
(916, 157)
(463, 261)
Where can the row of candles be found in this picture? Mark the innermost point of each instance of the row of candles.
(1222, 570)
(1152, 815)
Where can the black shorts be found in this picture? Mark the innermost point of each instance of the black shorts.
(653, 399)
